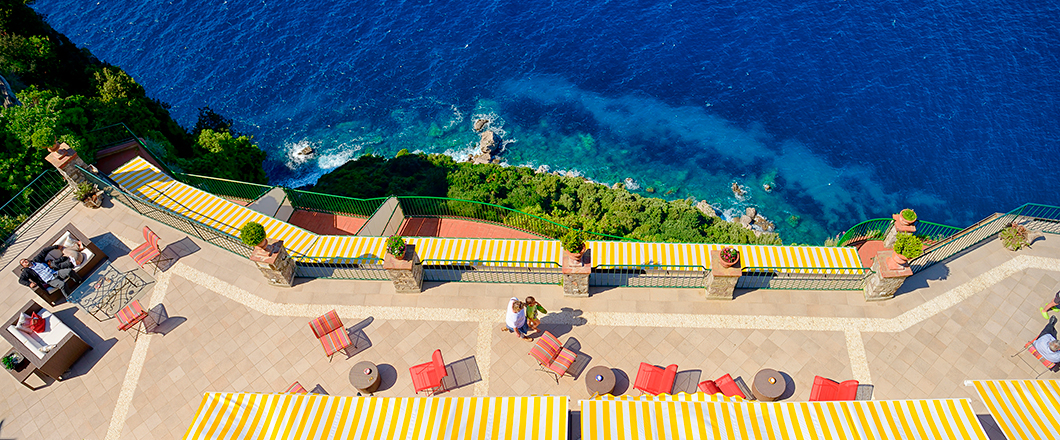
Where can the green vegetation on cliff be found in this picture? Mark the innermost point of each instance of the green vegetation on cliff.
(68, 95)
(569, 201)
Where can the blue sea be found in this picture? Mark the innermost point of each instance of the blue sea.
(847, 110)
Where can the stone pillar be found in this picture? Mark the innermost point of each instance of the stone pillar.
(575, 277)
(722, 280)
(896, 227)
(407, 274)
(885, 279)
(274, 262)
(66, 160)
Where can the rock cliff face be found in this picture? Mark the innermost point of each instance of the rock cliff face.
(7, 95)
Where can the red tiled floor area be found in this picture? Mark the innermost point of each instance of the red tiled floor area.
(446, 227)
(867, 251)
(326, 224)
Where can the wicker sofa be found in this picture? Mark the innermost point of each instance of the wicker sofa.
(93, 255)
(68, 346)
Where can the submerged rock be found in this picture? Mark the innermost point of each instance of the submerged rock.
(631, 184)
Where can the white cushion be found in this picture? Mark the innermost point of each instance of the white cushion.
(64, 239)
(54, 332)
(86, 256)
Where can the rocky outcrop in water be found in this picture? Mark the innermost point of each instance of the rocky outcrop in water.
(480, 124)
(706, 209)
(756, 222)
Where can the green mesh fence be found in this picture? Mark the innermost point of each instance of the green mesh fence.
(508, 272)
(329, 204)
(22, 210)
(791, 278)
(670, 276)
(231, 189)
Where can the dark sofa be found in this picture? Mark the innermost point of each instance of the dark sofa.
(54, 296)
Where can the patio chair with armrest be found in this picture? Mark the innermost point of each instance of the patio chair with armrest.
(551, 357)
(724, 385)
(149, 252)
(655, 380)
(825, 389)
(428, 376)
(332, 335)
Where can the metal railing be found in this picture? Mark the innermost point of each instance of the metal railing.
(365, 268)
(231, 189)
(676, 276)
(1045, 218)
(433, 207)
(23, 209)
(330, 204)
(933, 233)
(510, 272)
(874, 229)
(801, 278)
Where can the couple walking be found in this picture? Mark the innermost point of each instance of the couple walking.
(521, 317)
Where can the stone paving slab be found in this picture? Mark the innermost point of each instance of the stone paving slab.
(230, 331)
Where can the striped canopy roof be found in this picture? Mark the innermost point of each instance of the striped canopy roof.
(315, 416)
(1027, 409)
(696, 256)
(523, 253)
(702, 417)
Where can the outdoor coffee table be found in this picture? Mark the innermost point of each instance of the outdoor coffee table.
(107, 290)
(23, 370)
(600, 380)
(769, 385)
(365, 377)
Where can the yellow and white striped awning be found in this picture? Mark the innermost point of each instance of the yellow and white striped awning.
(708, 419)
(335, 248)
(513, 253)
(696, 256)
(315, 416)
(1023, 408)
(140, 177)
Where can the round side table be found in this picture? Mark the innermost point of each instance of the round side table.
(769, 384)
(365, 377)
(599, 380)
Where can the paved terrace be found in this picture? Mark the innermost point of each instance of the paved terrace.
(229, 331)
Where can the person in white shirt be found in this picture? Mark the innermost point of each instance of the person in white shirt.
(1046, 344)
(515, 319)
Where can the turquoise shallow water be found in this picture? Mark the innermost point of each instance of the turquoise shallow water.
(849, 110)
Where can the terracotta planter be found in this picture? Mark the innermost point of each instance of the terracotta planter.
(899, 260)
(576, 257)
(402, 254)
(93, 201)
(902, 221)
(730, 264)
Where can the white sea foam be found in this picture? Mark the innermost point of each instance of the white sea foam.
(292, 158)
(341, 154)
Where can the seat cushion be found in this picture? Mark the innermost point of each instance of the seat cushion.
(335, 341)
(709, 387)
(728, 386)
(325, 324)
(296, 388)
(563, 361)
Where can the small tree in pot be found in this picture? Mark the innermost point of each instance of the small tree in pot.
(253, 234)
(907, 217)
(729, 256)
(1015, 237)
(574, 242)
(395, 245)
(906, 247)
(86, 193)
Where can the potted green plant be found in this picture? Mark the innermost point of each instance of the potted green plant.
(574, 243)
(907, 217)
(45, 138)
(11, 361)
(729, 256)
(395, 245)
(253, 234)
(906, 247)
(1015, 237)
(86, 193)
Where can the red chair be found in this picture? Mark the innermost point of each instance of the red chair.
(654, 380)
(709, 387)
(729, 387)
(131, 315)
(428, 376)
(148, 253)
(332, 335)
(296, 388)
(828, 389)
(1050, 366)
(553, 358)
